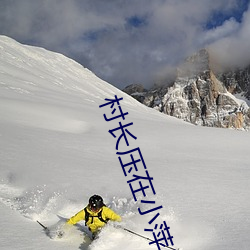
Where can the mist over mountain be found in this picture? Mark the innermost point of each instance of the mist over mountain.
(203, 93)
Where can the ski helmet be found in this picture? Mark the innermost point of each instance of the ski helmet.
(95, 202)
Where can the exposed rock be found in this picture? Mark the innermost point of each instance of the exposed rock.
(201, 97)
(137, 91)
(237, 81)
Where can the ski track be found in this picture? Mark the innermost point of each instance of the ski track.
(53, 209)
(39, 204)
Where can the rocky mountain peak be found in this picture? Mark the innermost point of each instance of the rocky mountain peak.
(196, 64)
(200, 96)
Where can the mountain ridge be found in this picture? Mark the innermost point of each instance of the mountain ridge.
(201, 95)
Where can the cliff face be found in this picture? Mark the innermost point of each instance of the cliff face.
(237, 81)
(201, 97)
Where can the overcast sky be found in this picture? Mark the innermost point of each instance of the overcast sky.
(131, 41)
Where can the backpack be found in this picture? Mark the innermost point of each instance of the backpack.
(99, 216)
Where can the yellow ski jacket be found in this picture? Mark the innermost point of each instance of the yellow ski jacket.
(94, 223)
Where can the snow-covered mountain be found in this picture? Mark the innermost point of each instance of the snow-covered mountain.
(56, 151)
(201, 95)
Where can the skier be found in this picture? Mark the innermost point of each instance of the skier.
(95, 214)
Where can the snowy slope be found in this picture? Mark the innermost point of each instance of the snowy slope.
(56, 151)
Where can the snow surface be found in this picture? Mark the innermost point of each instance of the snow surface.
(56, 151)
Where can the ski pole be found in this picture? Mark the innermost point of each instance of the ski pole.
(145, 237)
(44, 227)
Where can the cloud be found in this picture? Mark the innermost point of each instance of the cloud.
(228, 28)
(233, 49)
(125, 42)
